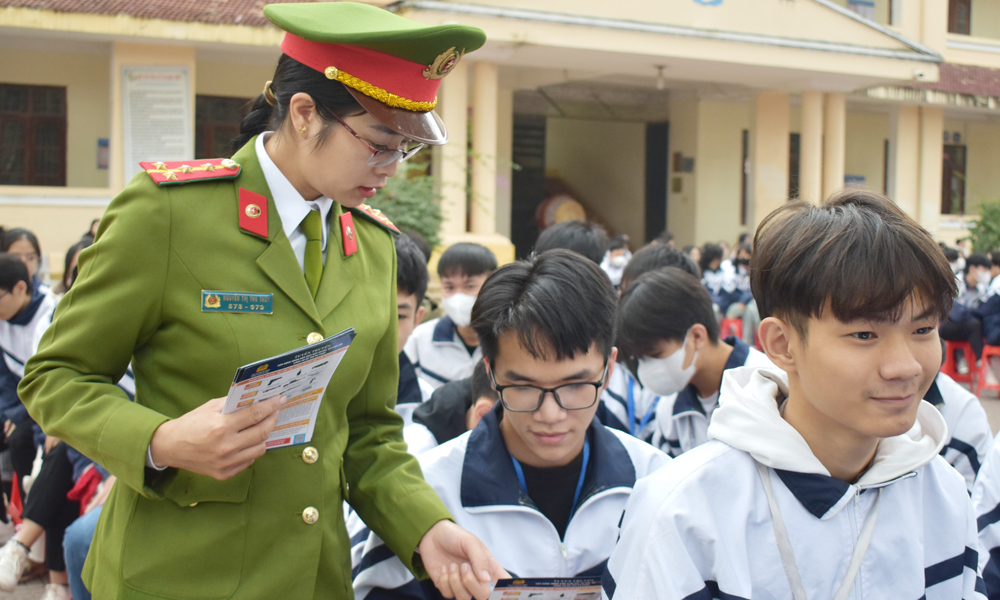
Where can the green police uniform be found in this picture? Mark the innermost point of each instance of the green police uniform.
(276, 529)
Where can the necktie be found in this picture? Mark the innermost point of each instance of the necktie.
(312, 227)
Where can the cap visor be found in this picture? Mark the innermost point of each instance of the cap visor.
(424, 127)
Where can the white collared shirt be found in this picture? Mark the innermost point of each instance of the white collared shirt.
(292, 207)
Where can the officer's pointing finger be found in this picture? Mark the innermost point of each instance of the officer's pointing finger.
(254, 414)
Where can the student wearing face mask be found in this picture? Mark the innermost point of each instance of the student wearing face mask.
(539, 478)
(962, 325)
(665, 320)
(616, 259)
(447, 348)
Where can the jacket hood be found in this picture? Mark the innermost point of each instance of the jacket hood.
(748, 419)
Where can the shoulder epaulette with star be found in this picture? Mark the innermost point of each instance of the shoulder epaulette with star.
(374, 214)
(186, 171)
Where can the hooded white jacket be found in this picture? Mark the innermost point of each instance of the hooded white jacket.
(969, 434)
(701, 527)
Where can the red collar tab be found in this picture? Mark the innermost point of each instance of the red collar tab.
(376, 215)
(394, 81)
(185, 171)
(348, 234)
(253, 212)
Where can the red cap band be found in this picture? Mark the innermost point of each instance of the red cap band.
(392, 80)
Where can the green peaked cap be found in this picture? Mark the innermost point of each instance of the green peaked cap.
(372, 27)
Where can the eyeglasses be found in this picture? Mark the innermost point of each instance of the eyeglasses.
(569, 396)
(385, 156)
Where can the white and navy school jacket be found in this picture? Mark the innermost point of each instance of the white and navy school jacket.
(412, 390)
(681, 422)
(986, 500)
(626, 406)
(702, 528)
(970, 437)
(17, 338)
(475, 478)
(438, 353)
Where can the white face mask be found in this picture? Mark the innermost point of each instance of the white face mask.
(458, 307)
(618, 261)
(666, 376)
(984, 277)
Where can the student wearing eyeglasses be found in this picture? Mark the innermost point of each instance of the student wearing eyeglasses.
(200, 510)
(540, 481)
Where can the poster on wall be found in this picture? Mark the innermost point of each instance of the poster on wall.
(158, 115)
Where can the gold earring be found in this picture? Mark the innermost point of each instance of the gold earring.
(302, 129)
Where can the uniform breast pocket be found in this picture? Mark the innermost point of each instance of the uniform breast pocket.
(189, 550)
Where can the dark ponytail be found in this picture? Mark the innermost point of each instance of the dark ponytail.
(290, 78)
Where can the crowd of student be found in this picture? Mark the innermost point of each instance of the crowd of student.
(584, 413)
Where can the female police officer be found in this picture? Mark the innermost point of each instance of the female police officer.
(284, 218)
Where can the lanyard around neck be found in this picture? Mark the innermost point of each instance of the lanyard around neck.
(788, 556)
(630, 407)
(579, 483)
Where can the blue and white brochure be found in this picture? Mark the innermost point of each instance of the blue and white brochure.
(301, 375)
(549, 588)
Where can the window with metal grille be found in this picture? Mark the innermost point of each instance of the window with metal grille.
(217, 124)
(32, 135)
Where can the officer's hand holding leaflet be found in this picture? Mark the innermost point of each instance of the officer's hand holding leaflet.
(207, 442)
(444, 547)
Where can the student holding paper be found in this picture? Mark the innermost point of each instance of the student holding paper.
(200, 510)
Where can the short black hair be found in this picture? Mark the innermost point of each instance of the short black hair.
(744, 238)
(657, 256)
(583, 237)
(555, 302)
(482, 386)
(466, 258)
(663, 305)
(12, 270)
(618, 242)
(950, 254)
(420, 241)
(411, 268)
(858, 254)
(977, 260)
(664, 238)
(710, 252)
(17, 234)
(85, 242)
(995, 258)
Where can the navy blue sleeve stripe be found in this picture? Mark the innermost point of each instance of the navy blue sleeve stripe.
(616, 397)
(424, 370)
(980, 586)
(991, 574)
(987, 519)
(608, 583)
(711, 591)
(966, 449)
(674, 443)
(951, 568)
(360, 537)
(374, 557)
(12, 357)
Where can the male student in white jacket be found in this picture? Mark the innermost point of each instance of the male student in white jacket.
(822, 479)
(539, 479)
(666, 321)
(986, 499)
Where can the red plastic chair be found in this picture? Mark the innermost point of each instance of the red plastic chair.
(950, 367)
(732, 327)
(988, 352)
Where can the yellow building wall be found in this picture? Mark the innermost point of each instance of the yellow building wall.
(864, 150)
(720, 131)
(235, 80)
(604, 163)
(982, 153)
(985, 19)
(88, 110)
(681, 187)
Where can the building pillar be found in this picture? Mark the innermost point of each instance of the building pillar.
(453, 107)
(834, 140)
(769, 154)
(484, 147)
(811, 148)
(904, 165)
(505, 153)
(931, 160)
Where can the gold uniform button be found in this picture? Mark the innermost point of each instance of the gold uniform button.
(310, 515)
(192, 505)
(314, 338)
(310, 455)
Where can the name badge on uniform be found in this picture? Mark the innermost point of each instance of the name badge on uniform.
(236, 302)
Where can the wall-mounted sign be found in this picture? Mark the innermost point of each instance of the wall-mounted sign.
(102, 153)
(709, 2)
(158, 115)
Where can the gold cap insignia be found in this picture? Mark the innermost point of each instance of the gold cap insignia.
(443, 64)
